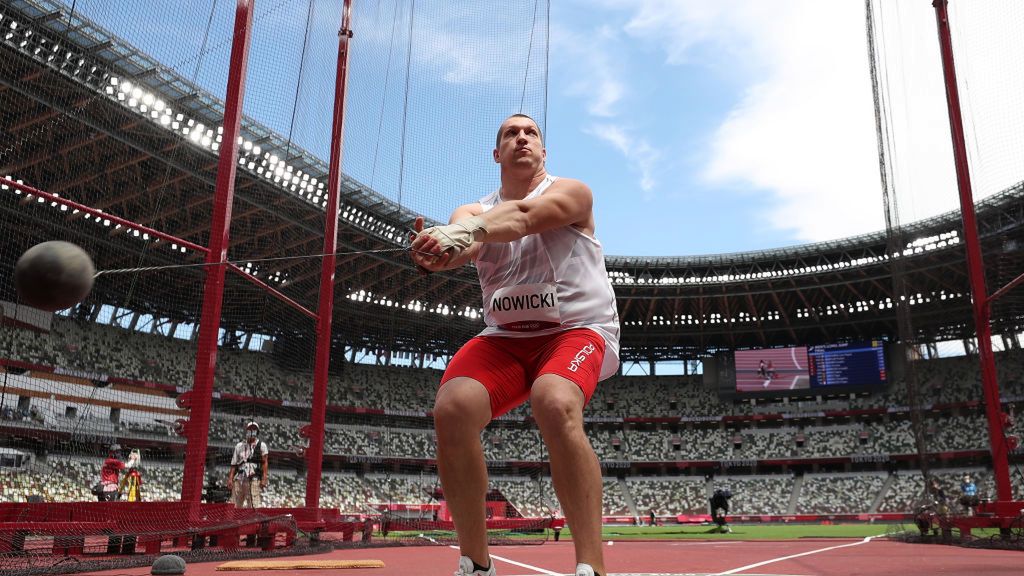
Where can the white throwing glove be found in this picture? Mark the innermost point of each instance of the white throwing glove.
(458, 236)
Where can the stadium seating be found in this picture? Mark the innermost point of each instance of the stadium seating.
(527, 495)
(103, 349)
(757, 494)
(838, 493)
(669, 496)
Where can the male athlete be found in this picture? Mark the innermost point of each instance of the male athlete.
(552, 333)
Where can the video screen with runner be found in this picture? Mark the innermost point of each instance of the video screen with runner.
(772, 369)
(848, 364)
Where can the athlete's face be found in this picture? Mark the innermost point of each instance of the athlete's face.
(520, 144)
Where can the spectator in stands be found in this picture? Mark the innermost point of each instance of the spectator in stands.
(968, 494)
(249, 469)
(106, 491)
(720, 508)
(130, 487)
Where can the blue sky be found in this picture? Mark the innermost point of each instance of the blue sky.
(733, 125)
(703, 126)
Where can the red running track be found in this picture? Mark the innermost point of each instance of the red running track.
(817, 557)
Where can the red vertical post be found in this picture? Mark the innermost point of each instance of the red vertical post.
(213, 289)
(325, 309)
(975, 264)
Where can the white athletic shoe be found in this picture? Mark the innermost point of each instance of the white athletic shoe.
(584, 570)
(466, 568)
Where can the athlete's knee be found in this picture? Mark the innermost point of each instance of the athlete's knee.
(461, 403)
(557, 404)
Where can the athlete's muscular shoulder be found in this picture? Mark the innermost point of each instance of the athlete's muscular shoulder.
(465, 211)
(578, 199)
(570, 184)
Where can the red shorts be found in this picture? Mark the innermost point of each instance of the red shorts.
(508, 367)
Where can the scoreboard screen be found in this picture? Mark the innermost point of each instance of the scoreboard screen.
(848, 364)
(772, 369)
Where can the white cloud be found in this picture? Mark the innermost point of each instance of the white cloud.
(678, 26)
(804, 127)
(803, 130)
(448, 45)
(640, 154)
(599, 75)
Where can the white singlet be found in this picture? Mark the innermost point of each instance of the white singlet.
(547, 283)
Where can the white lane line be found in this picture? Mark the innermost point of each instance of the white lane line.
(792, 354)
(520, 564)
(527, 566)
(792, 385)
(671, 574)
(790, 557)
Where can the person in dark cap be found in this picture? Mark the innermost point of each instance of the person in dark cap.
(720, 508)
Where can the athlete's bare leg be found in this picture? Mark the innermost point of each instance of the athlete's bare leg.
(461, 411)
(558, 408)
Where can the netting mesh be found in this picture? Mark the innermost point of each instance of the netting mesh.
(919, 178)
(112, 118)
(430, 86)
(116, 106)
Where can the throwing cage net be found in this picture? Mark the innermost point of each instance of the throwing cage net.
(891, 309)
(942, 388)
(118, 438)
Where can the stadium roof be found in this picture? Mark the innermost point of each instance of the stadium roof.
(105, 125)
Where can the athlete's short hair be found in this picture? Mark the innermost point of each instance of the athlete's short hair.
(498, 138)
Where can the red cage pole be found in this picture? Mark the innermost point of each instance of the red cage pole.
(213, 289)
(271, 290)
(975, 264)
(325, 310)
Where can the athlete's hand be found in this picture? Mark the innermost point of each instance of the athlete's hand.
(263, 483)
(231, 484)
(459, 235)
(426, 251)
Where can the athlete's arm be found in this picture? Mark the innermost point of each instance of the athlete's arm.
(566, 202)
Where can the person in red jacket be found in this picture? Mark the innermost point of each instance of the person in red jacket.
(109, 475)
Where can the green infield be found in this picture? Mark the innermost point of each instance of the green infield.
(696, 532)
(739, 532)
